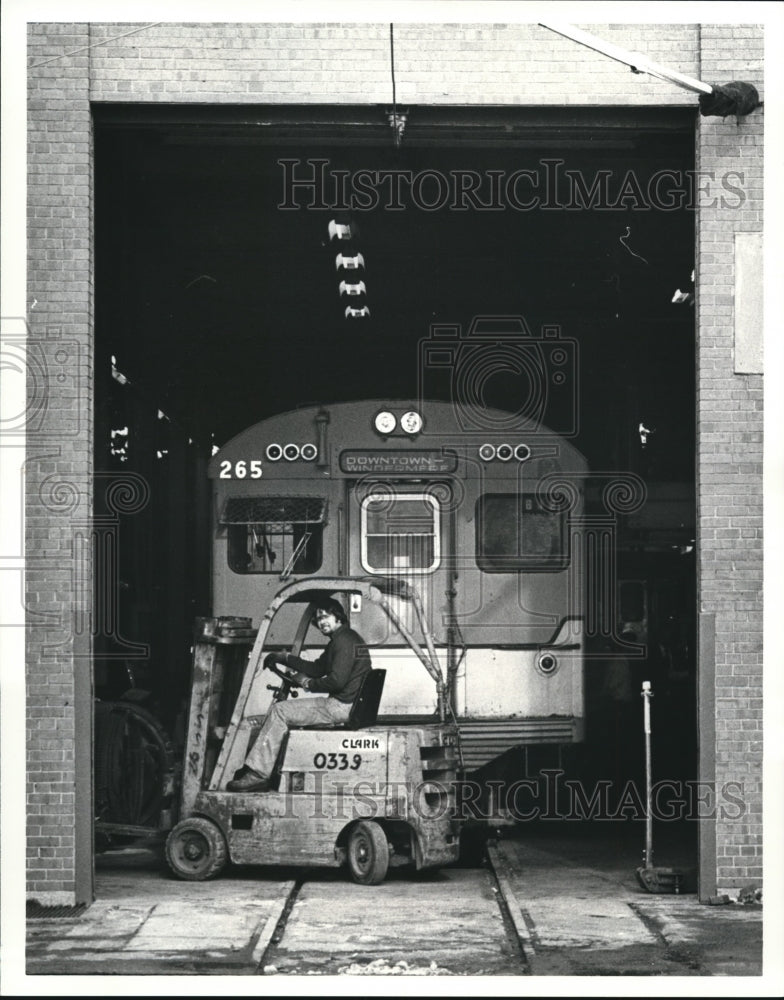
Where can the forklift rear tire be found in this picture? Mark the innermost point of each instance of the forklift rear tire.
(368, 853)
(196, 850)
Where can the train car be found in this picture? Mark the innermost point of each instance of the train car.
(487, 525)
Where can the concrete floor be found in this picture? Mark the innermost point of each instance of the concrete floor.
(571, 906)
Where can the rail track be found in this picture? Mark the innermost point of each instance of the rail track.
(449, 922)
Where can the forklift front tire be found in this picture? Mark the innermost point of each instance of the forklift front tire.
(196, 850)
(368, 853)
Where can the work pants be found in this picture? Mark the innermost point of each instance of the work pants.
(285, 714)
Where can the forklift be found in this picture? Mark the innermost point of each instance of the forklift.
(365, 795)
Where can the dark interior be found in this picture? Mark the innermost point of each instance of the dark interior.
(220, 308)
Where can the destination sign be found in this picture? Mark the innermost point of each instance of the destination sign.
(397, 462)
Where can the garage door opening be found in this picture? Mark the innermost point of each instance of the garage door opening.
(220, 301)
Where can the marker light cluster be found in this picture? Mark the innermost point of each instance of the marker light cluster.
(504, 452)
(385, 422)
(291, 452)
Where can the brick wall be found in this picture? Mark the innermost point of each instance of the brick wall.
(59, 462)
(346, 63)
(729, 468)
(350, 63)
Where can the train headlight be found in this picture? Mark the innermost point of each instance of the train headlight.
(385, 422)
(547, 664)
(291, 452)
(504, 452)
(522, 452)
(274, 453)
(308, 452)
(487, 452)
(411, 422)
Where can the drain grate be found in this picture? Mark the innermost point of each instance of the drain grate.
(36, 911)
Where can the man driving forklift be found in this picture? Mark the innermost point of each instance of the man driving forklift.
(338, 672)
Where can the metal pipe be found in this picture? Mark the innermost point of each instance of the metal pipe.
(451, 632)
(431, 668)
(431, 649)
(416, 648)
(322, 450)
(636, 60)
(646, 695)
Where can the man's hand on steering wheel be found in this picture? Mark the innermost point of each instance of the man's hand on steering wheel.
(271, 660)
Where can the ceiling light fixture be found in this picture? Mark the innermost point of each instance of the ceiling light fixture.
(349, 263)
(357, 288)
(338, 230)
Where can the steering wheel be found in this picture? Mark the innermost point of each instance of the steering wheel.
(276, 670)
(286, 688)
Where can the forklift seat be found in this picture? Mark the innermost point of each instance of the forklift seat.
(364, 710)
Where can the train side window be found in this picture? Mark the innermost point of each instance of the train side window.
(400, 533)
(515, 533)
(281, 535)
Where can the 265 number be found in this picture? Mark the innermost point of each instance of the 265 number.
(241, 469)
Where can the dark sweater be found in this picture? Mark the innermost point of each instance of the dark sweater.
(339, 670)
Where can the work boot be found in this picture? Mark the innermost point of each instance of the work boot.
(251, 781)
